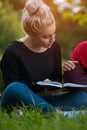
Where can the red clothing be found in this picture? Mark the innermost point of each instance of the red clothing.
(80, 53)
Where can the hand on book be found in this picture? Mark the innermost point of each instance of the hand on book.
(47, 80)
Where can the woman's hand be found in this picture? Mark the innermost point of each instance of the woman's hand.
(47, 80)
(69, 65)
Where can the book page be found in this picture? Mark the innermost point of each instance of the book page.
(74, 85)
(50, 83)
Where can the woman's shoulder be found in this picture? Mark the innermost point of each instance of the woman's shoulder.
(12, 44)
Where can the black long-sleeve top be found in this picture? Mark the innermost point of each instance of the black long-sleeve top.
(21, 64)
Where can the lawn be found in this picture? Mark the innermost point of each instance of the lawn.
(36, 120)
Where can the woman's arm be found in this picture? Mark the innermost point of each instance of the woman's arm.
(9, 67)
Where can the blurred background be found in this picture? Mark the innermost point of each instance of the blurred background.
(71, 21)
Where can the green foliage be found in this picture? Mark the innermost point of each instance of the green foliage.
(35, 120)
(69, 33)
(77, 12)
(79, 17)
(10, 29)
(10, 26)
(17, 4)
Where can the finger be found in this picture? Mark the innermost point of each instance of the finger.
(75, 62)
(66, 67)
(70, 63)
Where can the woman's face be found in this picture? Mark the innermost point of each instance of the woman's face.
(47, 38)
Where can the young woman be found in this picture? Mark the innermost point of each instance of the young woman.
(35, 57)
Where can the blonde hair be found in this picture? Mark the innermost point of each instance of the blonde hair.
(36, 15)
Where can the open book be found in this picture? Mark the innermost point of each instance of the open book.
(56, 84)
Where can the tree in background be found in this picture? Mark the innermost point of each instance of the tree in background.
(16, 4)
(77, 11)
(72, 28)
(10, 27)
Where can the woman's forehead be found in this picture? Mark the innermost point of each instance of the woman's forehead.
(50, 29)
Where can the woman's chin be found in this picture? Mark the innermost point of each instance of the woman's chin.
(49, 46)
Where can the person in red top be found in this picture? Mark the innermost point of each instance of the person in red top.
(80, 54)
(75, 71)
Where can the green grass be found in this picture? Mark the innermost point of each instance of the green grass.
(36, 120)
